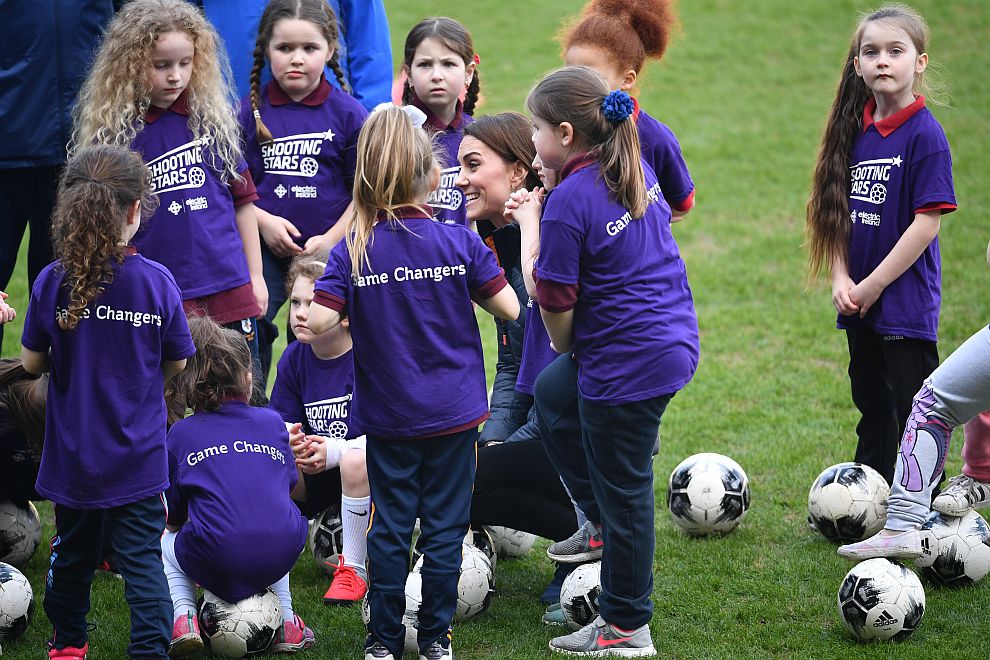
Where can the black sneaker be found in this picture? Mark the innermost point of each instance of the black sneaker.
(583, 546)
(438, 650)
(375, 649)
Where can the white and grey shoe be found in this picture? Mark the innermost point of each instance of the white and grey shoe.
(599, 639)
(962, 494)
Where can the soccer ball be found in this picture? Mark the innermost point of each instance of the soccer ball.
(476, 584)
(881, 599)
(708, 494)
(510, 542)
(326, 539)
(482, 540)
(235, 630)
(956, 550)
(848, 502)
(579, 594)
(410, 617)
(16, 603)
(20, 532)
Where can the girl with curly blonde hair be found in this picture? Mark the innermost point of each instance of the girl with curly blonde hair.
(161, 84)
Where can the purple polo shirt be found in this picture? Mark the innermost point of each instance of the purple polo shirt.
(193, 232)
(900, 165)
(315, 391)
(306, 174)
(537, 353)
(105, 419)
(447, 200)
(231, 471)
(418, 366)
(635, 332)
(662, 152)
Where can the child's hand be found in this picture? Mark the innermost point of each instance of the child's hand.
(523, 207)
(260, 291)
(7, 313)
(864, 295)
(842, 285)
(296, 436)
(316, 244)
(314, 459)
(278, 234)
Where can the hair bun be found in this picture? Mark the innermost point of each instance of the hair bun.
(617, 106)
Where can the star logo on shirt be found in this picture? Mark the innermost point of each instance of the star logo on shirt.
(280, 191)
(329, 135)
(896, 161)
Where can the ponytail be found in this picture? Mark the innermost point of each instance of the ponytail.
(262, 134)
(473, 90)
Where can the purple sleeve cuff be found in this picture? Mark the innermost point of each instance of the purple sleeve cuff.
(555, 297)
(335, 303)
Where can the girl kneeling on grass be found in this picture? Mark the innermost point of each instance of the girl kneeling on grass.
(230, 543)
(406, 284)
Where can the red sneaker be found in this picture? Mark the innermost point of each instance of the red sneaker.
(348, 585)
(185, 636)
(68, 653)
(292, 637)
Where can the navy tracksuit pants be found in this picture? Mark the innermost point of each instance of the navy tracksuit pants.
(430, 478)
(135, 531)
(604, 454)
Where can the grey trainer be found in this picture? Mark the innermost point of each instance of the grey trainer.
(962, 494)
(582, 546)
(599, 639)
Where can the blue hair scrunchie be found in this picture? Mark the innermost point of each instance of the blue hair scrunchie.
(617, 106)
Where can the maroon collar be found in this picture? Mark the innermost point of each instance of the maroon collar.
(277, 95)
(635, 114)
(130, 251)
(180, 106)
(434, 122)
(410, 212)
(888, 125)
(576, 163)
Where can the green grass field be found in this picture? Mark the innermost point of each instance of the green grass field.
(745, 86)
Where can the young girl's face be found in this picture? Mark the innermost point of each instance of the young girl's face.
(171, 67)
(888, 61)
(438, 75)
(298, 51)
(547, 176)
(550, 144)
(300, 299)
(485, 179)
(600, 61)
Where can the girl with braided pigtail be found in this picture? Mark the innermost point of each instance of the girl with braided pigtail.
(300, 136)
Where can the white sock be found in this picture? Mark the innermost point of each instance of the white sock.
(354, 515)
(181, 587)
(281, 589)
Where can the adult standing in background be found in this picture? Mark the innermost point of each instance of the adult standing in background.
(44, 54)
(365, 48)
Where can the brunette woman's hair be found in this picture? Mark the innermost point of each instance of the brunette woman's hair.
(510, 135)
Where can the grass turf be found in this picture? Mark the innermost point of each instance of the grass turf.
(746, 87)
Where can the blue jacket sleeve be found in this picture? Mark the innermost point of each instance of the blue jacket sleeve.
(365, 49)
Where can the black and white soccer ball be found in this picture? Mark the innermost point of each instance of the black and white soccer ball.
(20, 532)
(16, 603)
(510, 542)
(579, 595)
(410, 616)
(326, 539)
(955, 549)
(245, 628)
(848, 502)
(475, 585)
(708, 494)
(881, 599)
(482, 540)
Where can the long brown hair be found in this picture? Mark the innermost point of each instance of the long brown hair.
(218, 370)
(395, 161)
(574, 94)
(23, 397)
(827, 224)
(510, 135)
(457, 39)
(317, 12)
(629, 31)
(95, 193)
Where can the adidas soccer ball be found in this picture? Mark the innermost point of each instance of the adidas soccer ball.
(510, 542)
(848, 502)
(708, 494)
(476, 584)
(956, 550)
(20, 532)
(579, 594)
(881, 599)
(16, 603)
(236, 630)
(326, 539)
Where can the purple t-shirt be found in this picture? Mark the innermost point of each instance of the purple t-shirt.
(193, 232)
(105, 419)
(417, 349)
(315, 392)
(231, 471)
(662, 152)
(448, 200)
(537, 353)
(898, 166)
(635, 331)
(306, 174)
